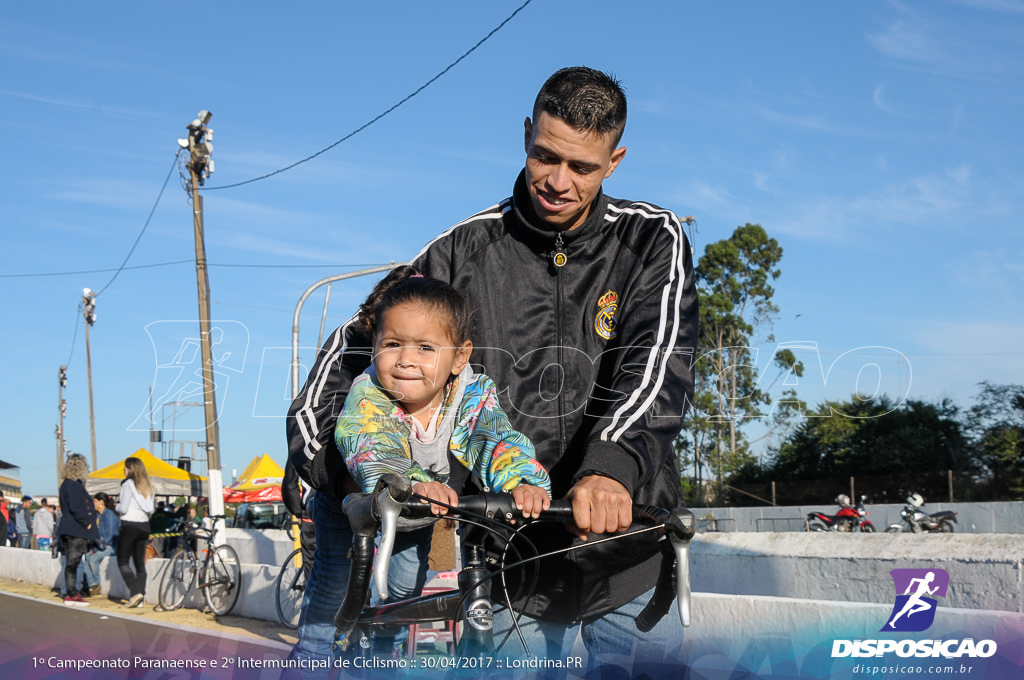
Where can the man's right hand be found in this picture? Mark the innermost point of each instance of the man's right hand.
(600, 505)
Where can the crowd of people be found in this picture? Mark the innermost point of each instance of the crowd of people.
(82, 529)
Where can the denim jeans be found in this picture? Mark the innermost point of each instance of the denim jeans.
(92, 565)
(79, 575)
(407, 573)
(615, 648)
(328, 582)
(74, 550)
(25, 541)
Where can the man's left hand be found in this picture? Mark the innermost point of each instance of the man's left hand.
(600, 505)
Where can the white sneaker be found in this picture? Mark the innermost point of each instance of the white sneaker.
(135, 600)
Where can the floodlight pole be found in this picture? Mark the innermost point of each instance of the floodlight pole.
(62, 409)
(200, 165)
(89, 303)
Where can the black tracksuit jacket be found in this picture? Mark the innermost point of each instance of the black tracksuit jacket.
(594, 359)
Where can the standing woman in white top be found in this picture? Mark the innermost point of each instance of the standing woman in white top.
(134, 505)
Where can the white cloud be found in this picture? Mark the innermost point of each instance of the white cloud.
(957, 355)
(77, 105)
(808, 122)
(109, 193)
(880, 103)
(1002, 6)
(969, 46)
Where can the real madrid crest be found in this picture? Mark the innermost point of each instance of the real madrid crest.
(604, 322)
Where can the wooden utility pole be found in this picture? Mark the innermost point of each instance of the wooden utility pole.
(200, 165)
(62, 409)
(89, 302)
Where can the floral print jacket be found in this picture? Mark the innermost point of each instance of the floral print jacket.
(373, 433)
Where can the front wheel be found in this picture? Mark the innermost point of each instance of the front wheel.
(179, 575)
(946, 527)
(290, 587)
(867, 527)
(895, 529)
(816, 526)
(222, 579)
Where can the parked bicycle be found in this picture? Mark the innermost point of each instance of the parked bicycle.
(289, 589)
(218, 575)
(485, 517)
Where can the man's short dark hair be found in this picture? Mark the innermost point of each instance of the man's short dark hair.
(586, 99)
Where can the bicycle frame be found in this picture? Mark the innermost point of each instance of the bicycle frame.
(471, 602)
(216, 575)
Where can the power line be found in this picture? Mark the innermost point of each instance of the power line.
(378, 117)
(78, 319)
(144, 226)
(243, 265)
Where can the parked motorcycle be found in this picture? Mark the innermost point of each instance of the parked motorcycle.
(917, 521)
(849, 518)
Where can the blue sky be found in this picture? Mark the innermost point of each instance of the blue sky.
(879, 142)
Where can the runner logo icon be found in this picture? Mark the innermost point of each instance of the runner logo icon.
(914, 609)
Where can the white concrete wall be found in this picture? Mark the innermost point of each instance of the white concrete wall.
(986, 570)
(260, 546)
(256, 599)
(752, 636)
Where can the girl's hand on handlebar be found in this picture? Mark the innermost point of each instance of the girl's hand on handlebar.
(600, 505)
(437, 491)
(530, 500)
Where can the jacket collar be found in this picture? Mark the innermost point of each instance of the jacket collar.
(534, 230)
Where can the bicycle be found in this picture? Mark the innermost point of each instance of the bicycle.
(289, 589)
(487, 514)
(219, 574)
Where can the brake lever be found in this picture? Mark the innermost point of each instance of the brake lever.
(389, 501)
(681, 527)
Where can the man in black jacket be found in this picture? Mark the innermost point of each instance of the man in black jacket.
(600, 289)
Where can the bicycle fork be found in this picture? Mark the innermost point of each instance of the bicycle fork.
(477, 611)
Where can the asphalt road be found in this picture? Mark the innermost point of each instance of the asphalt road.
(43, 640)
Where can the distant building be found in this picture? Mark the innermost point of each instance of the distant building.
(10, 484)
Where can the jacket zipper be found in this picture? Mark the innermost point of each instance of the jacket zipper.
(560, 258)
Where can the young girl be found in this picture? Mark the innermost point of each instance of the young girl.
(420, 411)
(134, 505)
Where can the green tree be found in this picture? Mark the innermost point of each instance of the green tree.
(996, 426)
(891, 449)
(734, 281)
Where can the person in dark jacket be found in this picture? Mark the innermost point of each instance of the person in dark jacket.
(109, 525)
(77, 525)
(4, 515)
(561, 274)
(296, 496)
(23, 522)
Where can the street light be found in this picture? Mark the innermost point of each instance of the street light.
(89, 303)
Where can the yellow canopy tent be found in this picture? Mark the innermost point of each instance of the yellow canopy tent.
(167, 480)
(260, 481)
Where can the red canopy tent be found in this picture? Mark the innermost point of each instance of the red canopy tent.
(259, 482)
